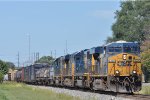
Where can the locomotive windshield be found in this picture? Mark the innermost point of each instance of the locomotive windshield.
(115, 49)
(123, 47)
(131, 49)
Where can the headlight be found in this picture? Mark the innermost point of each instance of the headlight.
(117, 72)
(124, 56)
(134, 72)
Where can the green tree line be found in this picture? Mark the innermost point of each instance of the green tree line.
(45, 59)
(133, 24)
(4, 67)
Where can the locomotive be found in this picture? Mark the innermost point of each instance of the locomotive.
(112, 67)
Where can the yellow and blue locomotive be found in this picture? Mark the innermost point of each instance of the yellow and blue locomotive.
(124, 66)
(112, 67)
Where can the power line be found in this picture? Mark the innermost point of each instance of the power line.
(18, 59)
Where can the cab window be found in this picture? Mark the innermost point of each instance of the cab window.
(111, 49)
(131, 49)
(115, 49)
(118, 49)
(136, 49)
(127, 49)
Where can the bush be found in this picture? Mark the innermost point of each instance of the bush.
(1, 77)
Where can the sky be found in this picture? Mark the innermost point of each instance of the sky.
(83, 24)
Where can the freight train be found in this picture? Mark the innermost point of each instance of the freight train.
(112, 67)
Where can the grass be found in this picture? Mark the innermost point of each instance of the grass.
(18, 91)
(145, 90)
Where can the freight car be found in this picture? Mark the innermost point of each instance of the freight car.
(112, 67)
(18, 76)
(44, 75)
(28, 74)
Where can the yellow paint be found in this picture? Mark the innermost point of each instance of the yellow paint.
(101, 62)
(93, 60)
(72, 73)
(93, 64)
(65, 65)
(124, 70)
(87, 75)
(72, 70)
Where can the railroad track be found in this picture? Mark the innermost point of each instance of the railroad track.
(134, 96)
(122, 95)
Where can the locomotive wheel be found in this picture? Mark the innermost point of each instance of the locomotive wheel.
(117, 87)
(91, 86)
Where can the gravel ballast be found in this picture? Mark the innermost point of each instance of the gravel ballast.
(146, 84)
(81, 94)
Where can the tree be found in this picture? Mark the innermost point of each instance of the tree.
(45, 59)
(10, 65)
(3, 67)
(131, 21)
(133, 24)
(1, 77)
(145, 48)
(3, 70)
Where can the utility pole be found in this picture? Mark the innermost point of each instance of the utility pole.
(37, 56)
(64, 52)
(34, 57)
(18, 59)
(55, 54)
(29, 48)
(66, 48)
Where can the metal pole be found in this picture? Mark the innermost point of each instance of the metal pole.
(18, 59)
(29, 48)
(55, 54)
(34, 57)
(66, 48)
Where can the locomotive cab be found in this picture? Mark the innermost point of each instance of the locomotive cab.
(124, 65)
(124, 59)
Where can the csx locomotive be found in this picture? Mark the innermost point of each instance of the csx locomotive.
(112, 67)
